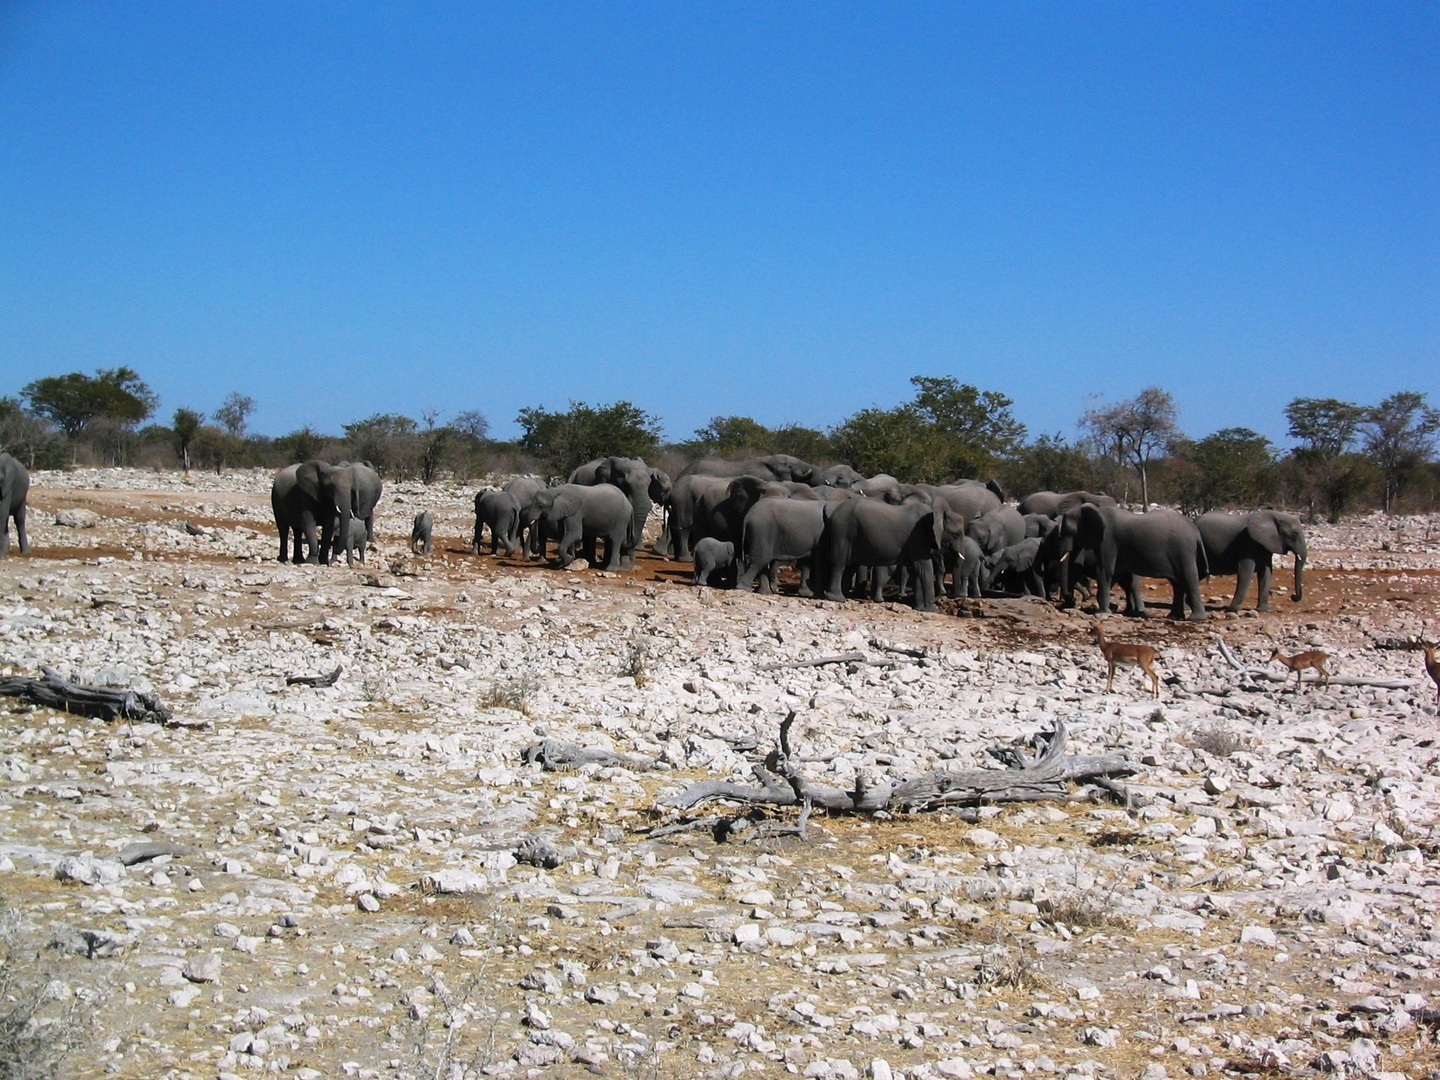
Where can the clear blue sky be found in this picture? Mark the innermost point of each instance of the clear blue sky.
(780, 210)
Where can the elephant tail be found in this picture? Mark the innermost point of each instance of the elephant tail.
(1202, 560)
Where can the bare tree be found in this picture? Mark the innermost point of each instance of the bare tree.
(1135, 431)
(234, 412)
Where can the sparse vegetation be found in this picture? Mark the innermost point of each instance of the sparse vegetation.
(514, 695)
(635, 660)
(1215, 740)
(1085, 911)
(41, 1023)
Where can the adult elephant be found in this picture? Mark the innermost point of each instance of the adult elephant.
(680, 506)
(720, 511)
(316, 496)
(642, 485)
(841, 476)
(1241, 544)
(1053, 504)
(14, 489)
(780, 530)
(871, 532)
(768, 467)
(572, 513)
(499, 511)
(997, 529)
(1127, 547)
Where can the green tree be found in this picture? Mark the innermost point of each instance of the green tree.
(1327, 430)
(31, 439)
(564, 440)
(1232, 467)
(1135, 432)
(1399, 435)
(388, 441)
(806, 443)
(731, 437)
(948, 430)
(184, 426)
(1051, 463)
(74, 401)
(234, 413)
(302, 444)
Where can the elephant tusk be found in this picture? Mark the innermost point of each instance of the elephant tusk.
(1065, 556)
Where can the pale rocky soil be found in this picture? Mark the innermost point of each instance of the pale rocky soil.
(1266, 907)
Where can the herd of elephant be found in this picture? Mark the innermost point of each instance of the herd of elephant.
(844, 532)
(847, 533)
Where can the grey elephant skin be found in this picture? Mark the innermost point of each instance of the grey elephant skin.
(643, 486)
(778, 531)
(867, 532)
(316, 496)
(420, 531)
(711, 555)
(576, 513)
(1054, 504)
(358, 538)
(720, 510)
(1127, 547)
(500, 512)
(14, 489)
(779, 467)
(966, 570)
(997, 529)
(1017, 568)
(1244, 544)
(680, 508)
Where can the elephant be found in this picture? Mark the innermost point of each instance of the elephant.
(642, 485)
(970, 498)
(1037, 524)
(801, 491)
(840, 476)
(997, 529)
(1241, 544)
(1016, 564)
(14, 489)
(720, 511)
(967, 570)
(358, 537)
(572, 513)
(680, 509)
(1053, 504)
(1127, 547)
(869, 532)
(500, 511)
(768, 467)
(712, 555)
(780, 530)
(881, 486)
(420, 533)
(524, 488)
(316, 495)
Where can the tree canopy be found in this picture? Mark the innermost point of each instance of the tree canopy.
(73, 401)
(563, 440)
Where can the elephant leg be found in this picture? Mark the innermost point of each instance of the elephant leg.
(312, 542)
(21, 536)
(1264, 571)
(1244, 571)
(924, 585)
(1134, 600)
(1102, 591)
(615, 552)
(284, 531)
(1191, 580)
(747, 577)
(569, 539)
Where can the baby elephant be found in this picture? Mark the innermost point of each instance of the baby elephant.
(420, 533)
(712, 555)
(358, 537)
(1016, 565)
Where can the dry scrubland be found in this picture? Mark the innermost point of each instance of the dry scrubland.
(1267, 905)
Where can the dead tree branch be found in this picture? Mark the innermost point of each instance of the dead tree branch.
(53, 692)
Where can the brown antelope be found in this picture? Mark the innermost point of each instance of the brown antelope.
(1124, 652)
(1432, 666)
(1300, 661)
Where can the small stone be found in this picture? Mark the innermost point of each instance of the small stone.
(1257, 935)
(601, 995)
(880, 1070)
(367, 902)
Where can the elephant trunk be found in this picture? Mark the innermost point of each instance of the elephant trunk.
(1299, 592)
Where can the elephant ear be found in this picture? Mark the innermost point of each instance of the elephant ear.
(659, 486)
(1262, 530)
(307, 478)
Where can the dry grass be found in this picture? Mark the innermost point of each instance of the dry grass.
(42, 1022)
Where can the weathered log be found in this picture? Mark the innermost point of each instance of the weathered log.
(1046, 776)
(1248, 671)
(819, 661)
(53, 692)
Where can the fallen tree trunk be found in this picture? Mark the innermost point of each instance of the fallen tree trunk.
(1334, 680)
(1045, 776)
(53, 692)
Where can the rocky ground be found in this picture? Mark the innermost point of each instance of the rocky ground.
(342, 897)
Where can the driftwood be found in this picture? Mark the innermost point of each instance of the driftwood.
(1251, 672)
(314, 680)
(53, 692)
(819, 661)
(1047, 775)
